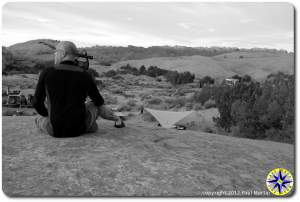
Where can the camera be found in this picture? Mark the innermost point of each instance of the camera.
(83, 59)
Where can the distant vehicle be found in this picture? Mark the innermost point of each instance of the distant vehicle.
(231, 82)
(179, 127)
(15, 98)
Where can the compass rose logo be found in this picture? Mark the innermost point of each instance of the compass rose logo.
(280, 181)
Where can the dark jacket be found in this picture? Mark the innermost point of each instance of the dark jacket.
(67, 89)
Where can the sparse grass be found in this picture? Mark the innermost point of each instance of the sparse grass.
(176, 102)
(117, 91)
(209, 104)
(117, 77)
(145, 96)
(126, 95)
(155, 101)
(197, 107)
(130, 105)
(7, 111)
(110, 100)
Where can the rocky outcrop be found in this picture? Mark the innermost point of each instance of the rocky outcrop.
(139, 160)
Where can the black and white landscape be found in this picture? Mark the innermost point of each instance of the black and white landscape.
(227, 69)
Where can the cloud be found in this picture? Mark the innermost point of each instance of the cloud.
(146, 24)
(185, 25)
(211, 29)
(247, 20)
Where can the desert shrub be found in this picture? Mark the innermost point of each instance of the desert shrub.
(110, 73)
(177, 102)
(117, 91)
(246, 78)
(197, 107)
(176, 78)
(180, 101)
(93, 72)
(99, 83)
(131, 103)
(204, 95)
(281, 135)
(117, 77)
(145, 96)
(143, 70)
(154, 71)
(209, 104)
(128, 95)
(235, 131)
(128, 106)
(131, 114)
(189, 106)
(207, 80)
(105, 63)
(124, 107)
(128, 69)
(179, 92)
(160, 93)
(169, 100)
(155, 101)
(237, 77)
(226, 95)
(110, 100)
(258, 111)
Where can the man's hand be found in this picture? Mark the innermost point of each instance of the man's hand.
(106, 113)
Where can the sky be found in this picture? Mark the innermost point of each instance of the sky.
(242, 25)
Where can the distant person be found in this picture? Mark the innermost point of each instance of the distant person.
(142, 109)
(65, 88)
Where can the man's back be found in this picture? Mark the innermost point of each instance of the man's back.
(67, 91)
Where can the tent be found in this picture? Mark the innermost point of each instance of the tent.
(168, 119)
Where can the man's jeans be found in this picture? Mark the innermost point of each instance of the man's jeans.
(44, 124)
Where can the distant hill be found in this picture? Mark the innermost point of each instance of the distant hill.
(110, 54)
(196, 64)
(32, 56)
(258, 65)
(29, 56)
(33, 50)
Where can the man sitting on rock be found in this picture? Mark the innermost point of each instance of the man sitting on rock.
(64, 89)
